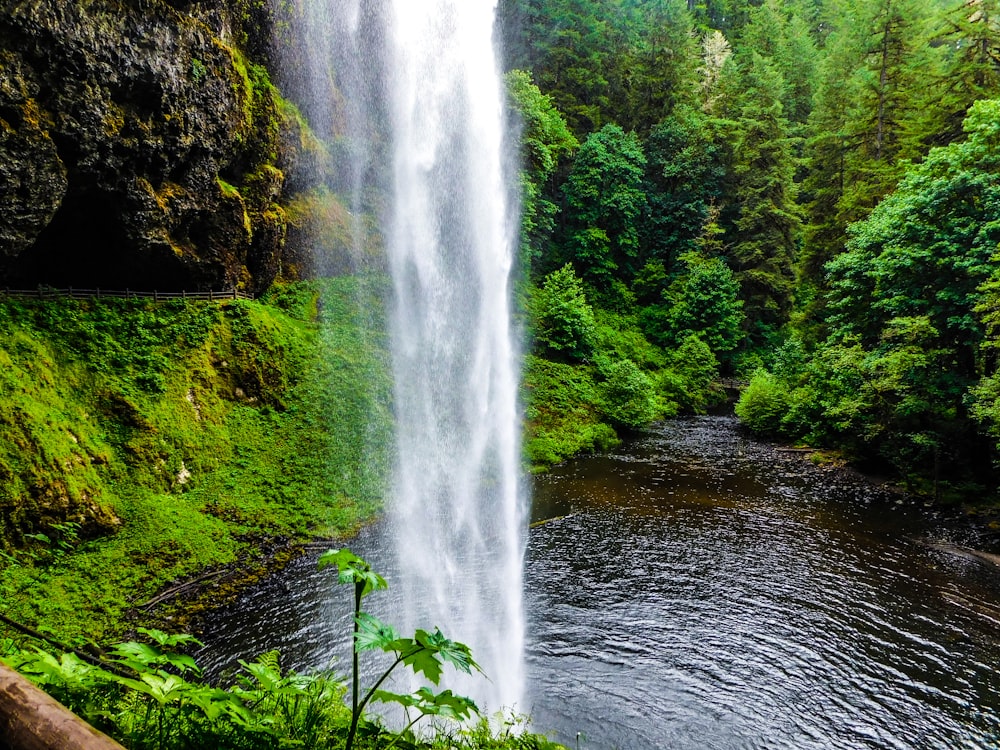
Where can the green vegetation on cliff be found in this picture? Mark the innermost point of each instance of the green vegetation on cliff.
(788, 183)
(143, 441)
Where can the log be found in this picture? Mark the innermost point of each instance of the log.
(32, 720)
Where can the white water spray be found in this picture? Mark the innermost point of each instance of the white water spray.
(408, 94)
(458, 511)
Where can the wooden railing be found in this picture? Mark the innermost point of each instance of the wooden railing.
(733, 384)
(98, 293)
(31, 720)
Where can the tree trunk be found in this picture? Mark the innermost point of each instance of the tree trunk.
(31, 720)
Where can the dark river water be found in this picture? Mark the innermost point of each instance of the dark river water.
(700, 590)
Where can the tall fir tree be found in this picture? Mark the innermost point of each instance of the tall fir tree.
(896, 48)
(968, 36)
(767, 224)
(827, 151)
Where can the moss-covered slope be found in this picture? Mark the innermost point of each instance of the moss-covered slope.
(142, 441)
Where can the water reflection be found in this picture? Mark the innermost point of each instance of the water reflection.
(699, 590)
(707, 592)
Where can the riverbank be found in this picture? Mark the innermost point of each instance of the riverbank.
(145, 443)
(968, 525)
(722, 578)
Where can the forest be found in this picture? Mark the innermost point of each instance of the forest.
(801, 195)
(789, 204)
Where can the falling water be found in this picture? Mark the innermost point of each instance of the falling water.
(407, 94)
(458, 513)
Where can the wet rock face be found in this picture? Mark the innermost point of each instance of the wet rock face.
(138, 147)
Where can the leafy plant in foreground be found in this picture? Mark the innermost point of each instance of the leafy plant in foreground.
(149, 697)
(425, 653)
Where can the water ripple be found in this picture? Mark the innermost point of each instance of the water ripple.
(701, 597)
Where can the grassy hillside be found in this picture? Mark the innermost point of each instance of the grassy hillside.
(141, 442)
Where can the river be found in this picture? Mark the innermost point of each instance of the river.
(697, 589)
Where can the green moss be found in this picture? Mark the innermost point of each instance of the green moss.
(564, 413)
(181, 436)
(230, 191)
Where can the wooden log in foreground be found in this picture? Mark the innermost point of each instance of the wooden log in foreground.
(32, 720)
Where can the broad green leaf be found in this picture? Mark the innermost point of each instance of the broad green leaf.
(457, 654)
(445, 704)
(352, 569)
(133, 653)
(374, 634)
(170, 640)
(403, 699)
(423, 659)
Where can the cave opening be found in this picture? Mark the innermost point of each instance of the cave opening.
(87, 246)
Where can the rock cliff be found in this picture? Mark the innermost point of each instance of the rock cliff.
(142, 145)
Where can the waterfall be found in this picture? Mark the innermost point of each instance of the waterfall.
(409, 95)
(457, 510)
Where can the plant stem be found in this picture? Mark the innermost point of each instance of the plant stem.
(405, 729)
(383, 678)
(359, 592)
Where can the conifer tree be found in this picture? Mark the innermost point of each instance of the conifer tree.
(895, 47)
(655, 69)
(969, 34)
(767, 225)
(827, 153)
(605, 201)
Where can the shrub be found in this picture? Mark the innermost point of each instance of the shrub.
(563, 321)
(763, 404)
(630, 399)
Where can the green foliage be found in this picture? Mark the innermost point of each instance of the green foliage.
(819, 109)
(763, 403)
(906, 341)
(685, 175)
(701, 301)
(689, 381)
(628, 394)
(545, 141)
(151, 696)
(562, 321)
(260, 430)
(767, 226)
(563, 412)
(604, 202)
(425, 653)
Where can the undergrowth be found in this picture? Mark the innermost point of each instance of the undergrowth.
(151, 695)
(143, 441)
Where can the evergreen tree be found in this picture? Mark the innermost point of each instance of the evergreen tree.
(827, 153)
(896, 49)
(969, 35)
(564, 44)
(927, 248)
(767, 224)
(685, 176)
(545, 140)
(654, 69)
(605, 201)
